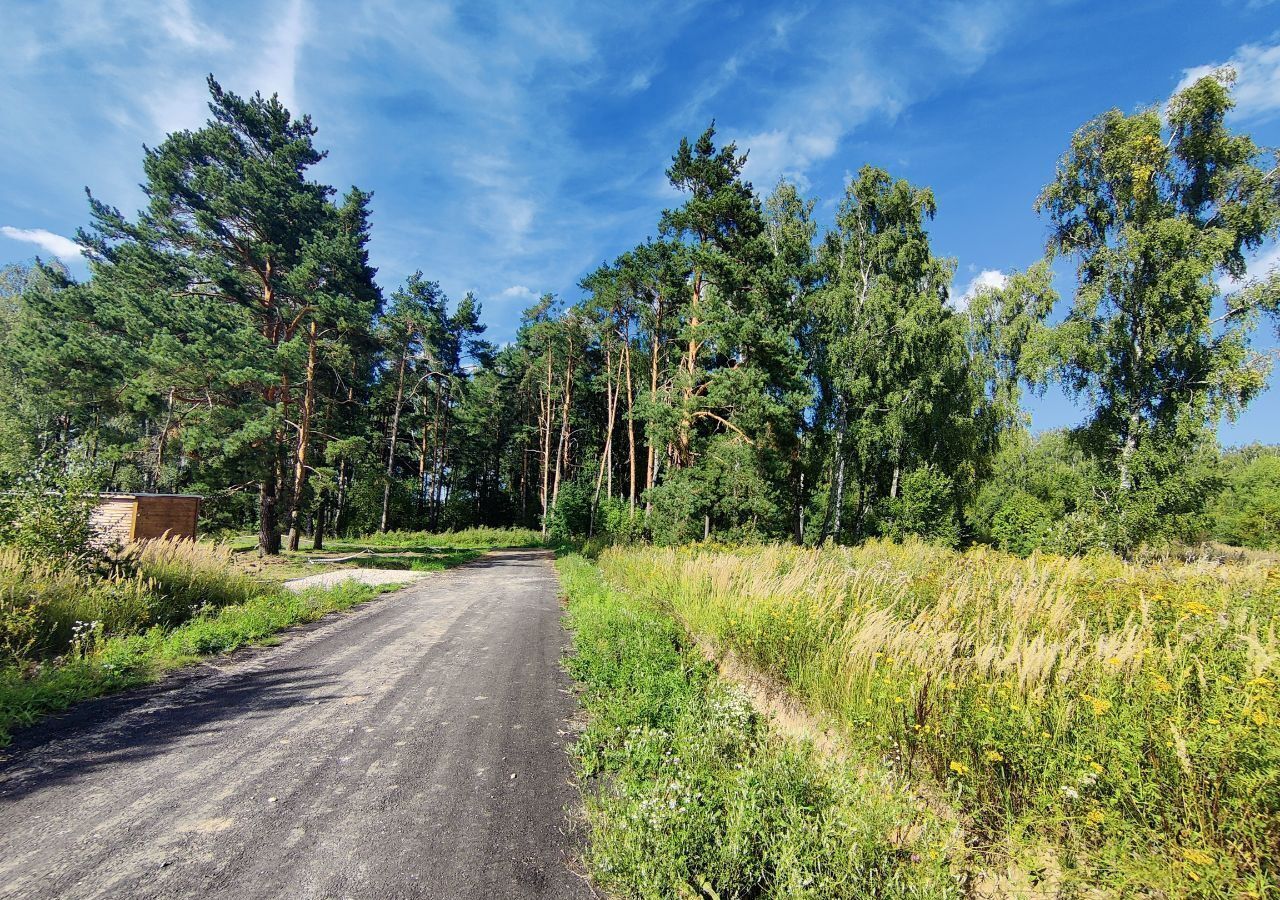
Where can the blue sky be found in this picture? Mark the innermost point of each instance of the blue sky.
(513, 147)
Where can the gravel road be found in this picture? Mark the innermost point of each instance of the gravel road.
(413, 747)
(366, 576)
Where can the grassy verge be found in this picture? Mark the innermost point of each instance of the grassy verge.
(409, 541)
(302, 564)
(1099, 725)
(466, 539)
(115, 663)
(419, 551)
(70, 631)
(690, 794)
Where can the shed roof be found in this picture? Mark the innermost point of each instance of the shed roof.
(120, 495)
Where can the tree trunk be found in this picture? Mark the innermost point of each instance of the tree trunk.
(391, 444)
(422, 472)
(631, 426)
(684, 439)
(651, 464)
(546, 445)
(562, 451)
(304, 442)
(1127, 449)
(441, 461)
(268, 532)
(322, 510)
(611, 407)
(433, 468)
(340, 502)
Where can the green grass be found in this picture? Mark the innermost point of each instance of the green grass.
(288, 566)
(466, 539)
(444, 559)
(436, 551)
(411, 541)
(690, 794)
(1099, 725)
(124, 661)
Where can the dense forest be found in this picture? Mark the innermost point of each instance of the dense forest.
(746, 372)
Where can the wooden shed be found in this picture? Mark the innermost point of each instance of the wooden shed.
(121, 518)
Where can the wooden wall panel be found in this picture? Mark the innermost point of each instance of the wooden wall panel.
(112, 521)
(157, 516)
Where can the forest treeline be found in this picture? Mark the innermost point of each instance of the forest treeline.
(744, 373)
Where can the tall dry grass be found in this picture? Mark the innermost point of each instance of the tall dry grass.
(1124, 714)
(50, 609)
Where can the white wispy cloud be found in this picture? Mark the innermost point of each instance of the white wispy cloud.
(180, 23)
(278, 71)
(519, 292)
(1257, 87)
(968, 32)
(1259, 265)
(854, 79)
(986, 280)
(55, 244)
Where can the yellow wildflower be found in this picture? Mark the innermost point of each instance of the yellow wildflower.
(1101, 706)
(1196, 857)
(993, 756)
(959, 768)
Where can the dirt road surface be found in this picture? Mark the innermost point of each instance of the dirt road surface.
(413, 747)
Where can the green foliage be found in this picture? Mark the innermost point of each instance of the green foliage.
(926, 508)
(696, 797)
(47, 515)
(1155, 206)
(1021, 524)
(571, 514)
(897, 392)
(744, 375)
(616, 521)
(1247, 512)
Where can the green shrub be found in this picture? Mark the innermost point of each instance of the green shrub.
(49, 517)
(1021, 524)
(925, 507)
(571, 515)
(616, 520)
(1247, 513)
